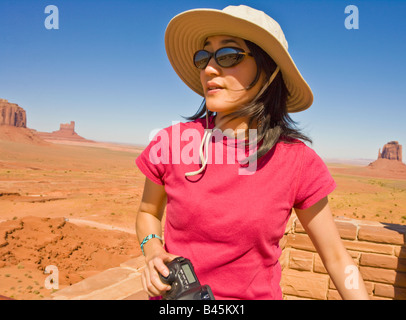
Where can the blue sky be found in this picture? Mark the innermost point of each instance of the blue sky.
(106, 68)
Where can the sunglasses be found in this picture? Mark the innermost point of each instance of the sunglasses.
(226, 57)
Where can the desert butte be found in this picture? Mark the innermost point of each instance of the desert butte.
(73, 204)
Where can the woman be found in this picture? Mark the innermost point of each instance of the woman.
(227, 216)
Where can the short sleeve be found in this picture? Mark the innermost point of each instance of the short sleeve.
(314, 180)
(154, 159)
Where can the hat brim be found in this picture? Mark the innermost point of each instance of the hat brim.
(187, 32)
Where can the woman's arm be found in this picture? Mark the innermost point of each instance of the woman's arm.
(150, 214)
(148, 222)
(321, 228)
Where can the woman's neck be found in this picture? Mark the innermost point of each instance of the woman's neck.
(236, 125)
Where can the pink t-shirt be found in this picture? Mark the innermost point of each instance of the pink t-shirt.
(227, 222)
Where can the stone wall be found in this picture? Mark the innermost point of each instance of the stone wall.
(120, 283)
(378, 249)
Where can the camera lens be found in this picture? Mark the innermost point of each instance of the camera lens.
(204, 295)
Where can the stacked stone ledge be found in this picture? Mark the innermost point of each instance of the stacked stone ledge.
(378, 250)
(121, 283)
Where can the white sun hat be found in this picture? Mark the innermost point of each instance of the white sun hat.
(186, 33)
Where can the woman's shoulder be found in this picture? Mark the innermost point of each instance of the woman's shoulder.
(295, 146)
(291, 143)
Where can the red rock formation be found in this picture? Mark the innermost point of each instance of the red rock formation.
(66, 132)
(13, 120)
(12, 115)
(69, 128)
(392, 151)
(390, 159)
(20, 135)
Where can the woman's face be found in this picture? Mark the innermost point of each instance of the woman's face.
(225, 88)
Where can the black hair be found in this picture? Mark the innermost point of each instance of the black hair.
(268, 112)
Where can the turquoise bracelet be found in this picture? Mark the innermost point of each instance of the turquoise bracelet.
(146, 239)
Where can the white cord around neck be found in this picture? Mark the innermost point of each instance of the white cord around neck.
(203, 157)
(204, 146)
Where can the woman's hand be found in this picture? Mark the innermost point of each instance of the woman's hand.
(148, 222)
(155, 265)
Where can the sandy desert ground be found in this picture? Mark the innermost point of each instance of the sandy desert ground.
(74, 205)
(65, 205)
(368, 193)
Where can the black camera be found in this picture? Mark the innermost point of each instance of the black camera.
(184, 283)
